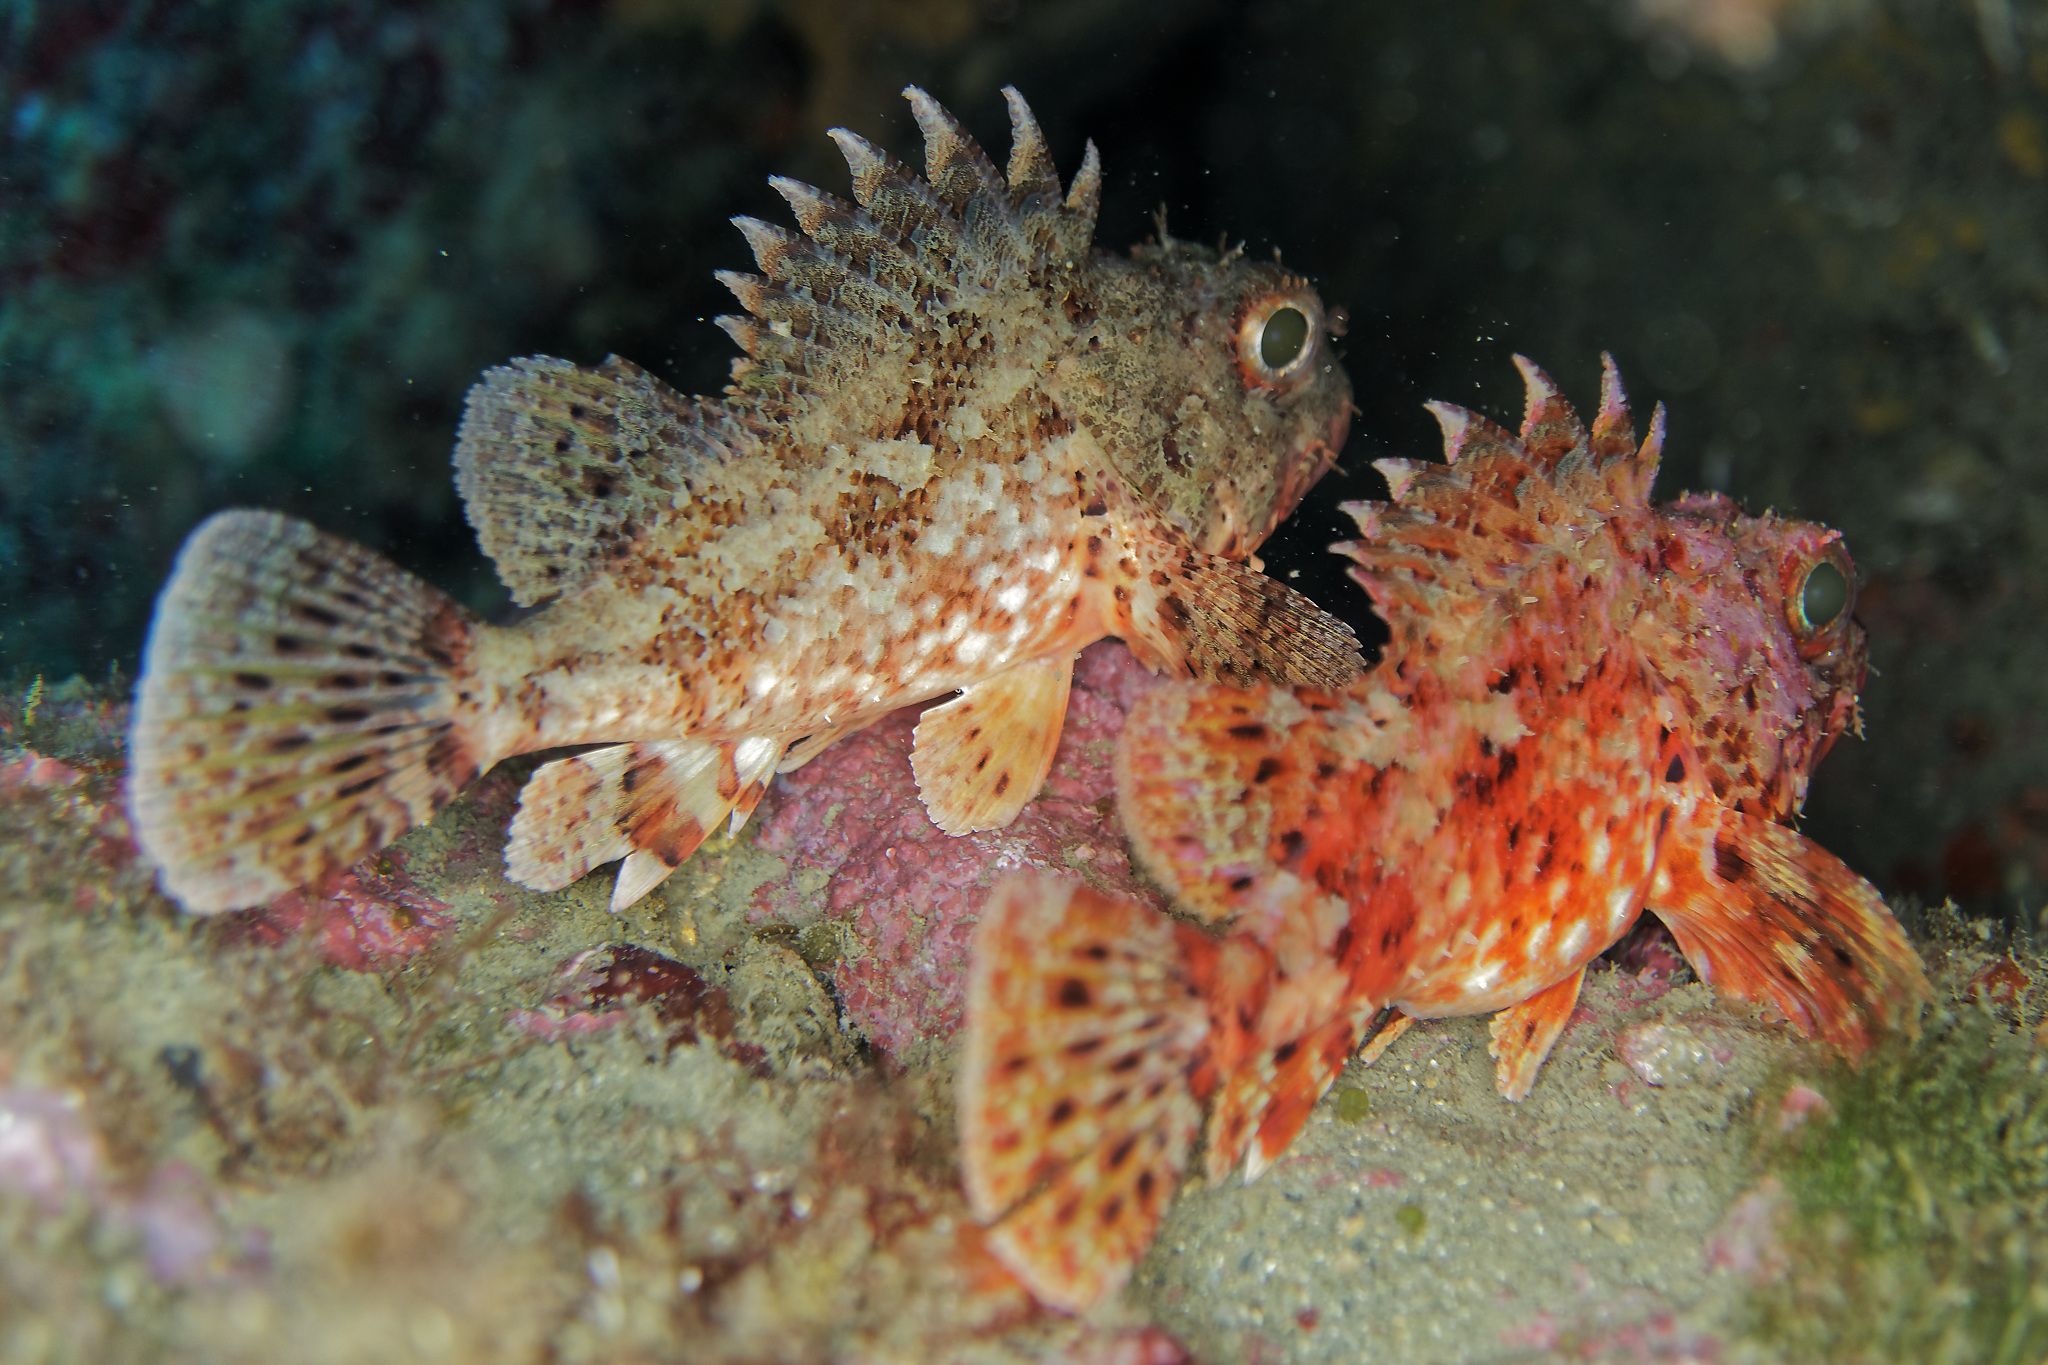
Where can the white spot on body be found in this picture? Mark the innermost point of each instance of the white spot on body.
(1574, 941)
(1011, 599)
(1621, 903)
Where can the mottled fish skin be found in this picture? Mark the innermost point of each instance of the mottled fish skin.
(1590, 705)
(960, 445)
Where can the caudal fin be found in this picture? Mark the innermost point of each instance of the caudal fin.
(297, 711)
(1078, 1105)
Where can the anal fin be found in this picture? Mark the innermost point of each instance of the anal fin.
(1085, 1029)
(981, 757)
(650, 803)
(1523, 1034)
(1762, 913)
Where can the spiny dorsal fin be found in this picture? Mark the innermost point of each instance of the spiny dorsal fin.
(1630, 469)
(1031, 172)
(561, 467)
(1084, 201)
(1552, 483)
(1551, 430)
(958, 170)
(862, 280)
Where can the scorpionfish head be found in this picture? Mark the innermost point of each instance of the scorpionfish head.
(1211, 383)
(1761, 645)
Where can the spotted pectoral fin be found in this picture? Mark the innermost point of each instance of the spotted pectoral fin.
(1524, 1034)
(1222, 789)
(1217, 619)
(1764, 914)
(1085, 1029)
(650, 803)
(982, 756)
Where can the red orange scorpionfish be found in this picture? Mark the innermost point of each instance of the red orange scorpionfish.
(1591, 705)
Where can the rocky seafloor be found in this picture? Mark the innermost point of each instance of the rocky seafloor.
(254, 254)
(428, 1115)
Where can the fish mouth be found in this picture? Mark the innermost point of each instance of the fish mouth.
(1305, 469)
(1231, 534)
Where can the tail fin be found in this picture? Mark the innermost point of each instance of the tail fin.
(297, 711)
(1078, 1104)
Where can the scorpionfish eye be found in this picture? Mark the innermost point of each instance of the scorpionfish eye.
(1277, 338)
(1820, 599)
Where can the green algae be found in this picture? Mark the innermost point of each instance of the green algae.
(1917, 1221)
(1352, 1104)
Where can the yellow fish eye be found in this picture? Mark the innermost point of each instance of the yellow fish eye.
(1276, 338)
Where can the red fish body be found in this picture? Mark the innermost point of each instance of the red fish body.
(1590, 705)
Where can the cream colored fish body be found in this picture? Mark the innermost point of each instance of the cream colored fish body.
(959, 447)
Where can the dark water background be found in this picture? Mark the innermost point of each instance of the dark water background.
(254, 253)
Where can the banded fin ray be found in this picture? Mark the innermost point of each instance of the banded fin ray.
(301, 705)
(1084, 1035)
(650, 804)
(563, 468)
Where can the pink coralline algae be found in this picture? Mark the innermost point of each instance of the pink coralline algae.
(51, 1155)
(370, 918)
(47, 1149)
(851, 823)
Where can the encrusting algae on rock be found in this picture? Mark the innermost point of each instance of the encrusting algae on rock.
(960, 446)
(1591, 705)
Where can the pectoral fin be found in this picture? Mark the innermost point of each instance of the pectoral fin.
(1220, 620)
(1524, 1034)
(982, 756)
(1764, 914)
